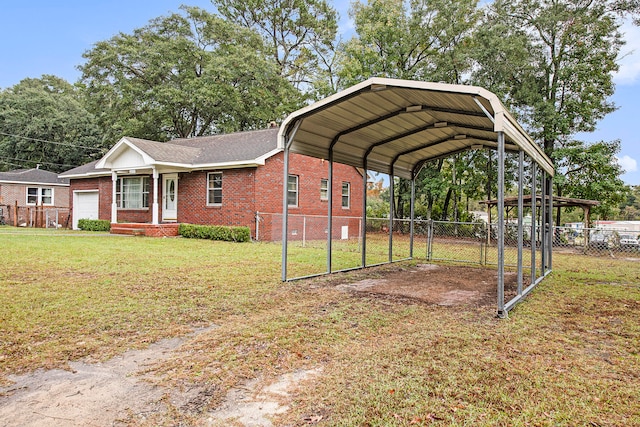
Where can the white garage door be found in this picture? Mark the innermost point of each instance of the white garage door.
(85, 206)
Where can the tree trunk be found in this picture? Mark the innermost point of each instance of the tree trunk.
(445, 208)
(558, 213)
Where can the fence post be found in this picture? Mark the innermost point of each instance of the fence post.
(304, 230)
(360, 236)
(430, 239)
(482, 249)
(257, 226)
(15, 214)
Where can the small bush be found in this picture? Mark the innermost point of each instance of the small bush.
(215, 232)
(94, 224)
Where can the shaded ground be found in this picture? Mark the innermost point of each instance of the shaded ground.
(438, 284)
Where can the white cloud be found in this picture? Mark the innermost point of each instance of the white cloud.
(629, 72)
(629, 164)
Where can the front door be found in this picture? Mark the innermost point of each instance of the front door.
(170, 197)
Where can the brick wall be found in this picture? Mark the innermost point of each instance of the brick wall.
(10, 193)
(238, 203)
(244, 192)
(310, 172)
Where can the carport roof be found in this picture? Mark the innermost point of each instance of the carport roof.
(389, 125)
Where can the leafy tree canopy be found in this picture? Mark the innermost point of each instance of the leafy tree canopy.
(43, 121)
(590, 171)
(422, 40)
(552, 61)
(185, 75)
(299, 34)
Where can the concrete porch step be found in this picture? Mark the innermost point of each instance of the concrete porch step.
(149, 230)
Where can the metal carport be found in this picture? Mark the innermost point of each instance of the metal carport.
(395, 126)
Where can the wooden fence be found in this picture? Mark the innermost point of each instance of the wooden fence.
(35, 216)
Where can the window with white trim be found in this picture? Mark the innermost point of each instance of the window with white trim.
(346, 195)
(39, 196)
(132, 192)
(214, 188)
(292, 190)
(324, 189)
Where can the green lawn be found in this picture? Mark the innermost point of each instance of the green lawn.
(567, 356)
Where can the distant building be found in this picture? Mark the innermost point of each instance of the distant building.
(23, 192)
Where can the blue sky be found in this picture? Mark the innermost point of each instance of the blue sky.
(49, 37)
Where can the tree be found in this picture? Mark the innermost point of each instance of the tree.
(552, 62)
(43, 121)
(630, 208)
(553, 59)
(590, 171)
(184, 75)
(422, 40)
(299, 33)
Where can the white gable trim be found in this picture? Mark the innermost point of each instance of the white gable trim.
(124, 145)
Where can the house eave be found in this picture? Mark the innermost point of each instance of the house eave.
(48, 184)
(230, 165)
(96, 174)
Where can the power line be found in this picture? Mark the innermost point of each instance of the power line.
(51, 142)
(10, 163)
(33, 161)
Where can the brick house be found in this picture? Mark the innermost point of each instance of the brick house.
(233, 179)
(28, 196)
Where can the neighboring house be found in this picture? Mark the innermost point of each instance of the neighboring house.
(232, 179)
(24, 192)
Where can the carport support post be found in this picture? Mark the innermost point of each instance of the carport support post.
(520, 225)
(501, 312)
(551, 227)
(391, 212)
(364, 215)
(285, 212)
(413, 211)
(543, 223)
(330, 209)
(285, 200)
(534, 232)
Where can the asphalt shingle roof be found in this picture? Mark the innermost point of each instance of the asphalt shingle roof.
(89, 168)
(166, 152)
(205, 150)
(33, 176)
(232, 147)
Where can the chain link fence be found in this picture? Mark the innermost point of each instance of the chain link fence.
(461, 242)
(597, 241)
(34, 216)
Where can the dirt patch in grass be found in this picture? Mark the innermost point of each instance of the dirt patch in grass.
(254, 403)
(110, 393)
(445, 285)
